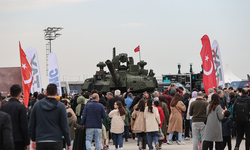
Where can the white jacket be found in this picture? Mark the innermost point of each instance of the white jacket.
(188, 116)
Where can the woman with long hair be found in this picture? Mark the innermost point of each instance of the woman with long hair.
(140, 125)
(213, 129)
(152, 119)
(175, 120)
(117, 124)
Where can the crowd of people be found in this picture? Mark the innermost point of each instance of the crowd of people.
(52, 122)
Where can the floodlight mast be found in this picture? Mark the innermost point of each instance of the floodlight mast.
(50, 34)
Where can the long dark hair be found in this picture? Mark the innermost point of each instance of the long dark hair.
(149, 104)
(121, 109)
(175, 100)
(214, 102)
(141, 106)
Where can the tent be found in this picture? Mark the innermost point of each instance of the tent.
(229, 76)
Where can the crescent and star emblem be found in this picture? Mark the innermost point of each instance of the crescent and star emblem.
(211, 70)
(29, 80)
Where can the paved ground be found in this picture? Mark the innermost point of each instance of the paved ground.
(131, 145)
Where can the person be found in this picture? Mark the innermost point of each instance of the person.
(152, 119)
(211, 92)
(169, 94)
(175, 120)
(230, 108)
(213, 129)
(205, 97)
(108, 97)
(106, 122)
(64, 97)
(198, 111)
(222, 102)
(103, 137)
(140, 124)
(117, 124)
(162, 117)
(127, 122)
(115, 99)
(6, 135)
(227, 124)
(164, 107)
(129, 100)
(72, 126)
(49, 122)
(21, 99)
(102, 100)
(19, 118)
(185, 99)
(68, 109)
(188, 117)
(40, 96)
(242, 126)
(92, 116)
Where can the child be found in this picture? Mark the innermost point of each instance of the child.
(127, 122)
(72, 125)
(226, 126)
(103, 137)
(106, 122)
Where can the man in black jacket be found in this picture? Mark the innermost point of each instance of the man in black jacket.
(6, 138)
(19, 119)
(242, 127)
(116, 98)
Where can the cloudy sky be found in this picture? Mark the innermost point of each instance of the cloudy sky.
(168, 31)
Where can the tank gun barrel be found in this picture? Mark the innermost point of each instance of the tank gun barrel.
(113, 72)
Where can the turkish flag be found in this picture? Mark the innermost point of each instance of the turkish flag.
(209, 79)
(137, 49)
(27, 76)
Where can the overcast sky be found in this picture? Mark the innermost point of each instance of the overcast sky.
(168, 32)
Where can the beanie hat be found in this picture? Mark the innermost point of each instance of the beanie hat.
(172, 91)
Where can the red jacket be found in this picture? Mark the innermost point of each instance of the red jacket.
(161, 113)
(168, 97)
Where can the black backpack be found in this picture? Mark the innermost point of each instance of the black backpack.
(241, 111)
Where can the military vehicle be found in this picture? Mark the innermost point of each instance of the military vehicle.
(123, 74)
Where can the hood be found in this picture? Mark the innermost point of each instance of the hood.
(80, 100)
(224, 120)
(194, 94)
(49, 104)
(70, 121)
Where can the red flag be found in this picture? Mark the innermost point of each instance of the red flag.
(209, 79)
(137, 49)
(27, 76)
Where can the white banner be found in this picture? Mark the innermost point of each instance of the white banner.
(32, 57)
(54, 76)
(218, 64)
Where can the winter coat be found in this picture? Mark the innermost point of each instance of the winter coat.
(162, 117)
(128, 101)
(117, 122)
(213, 129)
(175, 121)
(227, 124)
(127, 120)
(152, 119)
(164, 107)
(115, 99)
(72, 125)
(140, 124)
(170, 97)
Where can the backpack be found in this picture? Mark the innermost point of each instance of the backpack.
(241, 111)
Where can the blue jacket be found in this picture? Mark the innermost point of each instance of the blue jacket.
(227, 124)
(48, 121)
(128, 101)
(92, 115)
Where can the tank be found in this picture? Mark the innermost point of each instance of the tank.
(123, 74)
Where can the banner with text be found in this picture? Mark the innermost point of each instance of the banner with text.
(218, 64)
(54, 76)
(32, 57)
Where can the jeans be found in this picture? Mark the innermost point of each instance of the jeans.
(126, 132)
(197, 127)
(242, 128)
(142, 138)
(152, 136)
(227, 141)
(207, 144)
(170, 136)
(49, 146)
(117, 138)
(90, 132)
